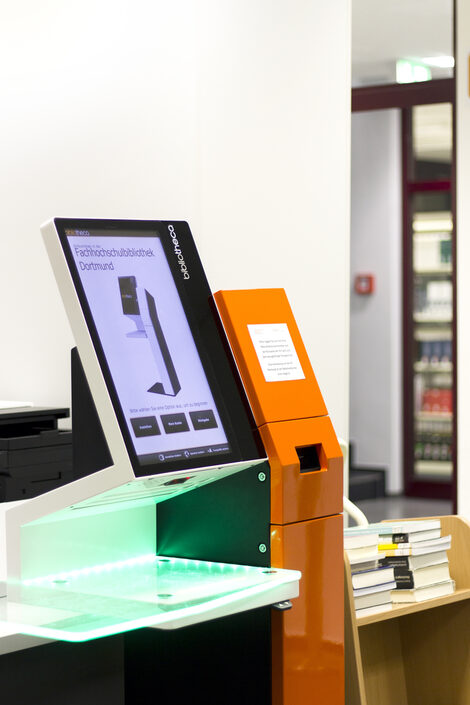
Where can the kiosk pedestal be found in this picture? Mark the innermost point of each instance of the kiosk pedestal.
(306, 492)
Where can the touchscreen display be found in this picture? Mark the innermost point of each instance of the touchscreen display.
(147, 341)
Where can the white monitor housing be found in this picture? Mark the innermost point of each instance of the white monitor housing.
(174, 417)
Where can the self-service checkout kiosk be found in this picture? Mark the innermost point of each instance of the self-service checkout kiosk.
(306, 492)
(168, 526)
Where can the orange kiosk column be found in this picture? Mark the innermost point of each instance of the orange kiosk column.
(306, 492)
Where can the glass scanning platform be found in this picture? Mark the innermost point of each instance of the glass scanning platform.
(148, 591)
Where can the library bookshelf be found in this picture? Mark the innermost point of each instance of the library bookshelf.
(414, 654)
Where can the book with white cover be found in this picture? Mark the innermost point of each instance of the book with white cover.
(371, 599)
(415, 562)
(361, 566)
(377, 576)
(391, 585)
(360, 540)
(429, 575)
(439, 541)
(424, 593)
(364, 553)
(415, 549)
(375, 609)
(410, 537)
(396, 527)
(363, 561)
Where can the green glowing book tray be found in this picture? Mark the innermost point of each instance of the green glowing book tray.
(149, 591)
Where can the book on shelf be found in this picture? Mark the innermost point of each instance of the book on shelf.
(384, 545)
(414, 562)
(362, 562)
(375, 609)
(415, 549)
(361, 547)
(363, 553)
(395, 527)
(374, 576)
(360, 566)
(410, 537)
(421, 577)
(370, 589)
(360, 540)
(372, 599)
(447, 587)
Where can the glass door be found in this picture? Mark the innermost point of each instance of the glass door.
(429, 370)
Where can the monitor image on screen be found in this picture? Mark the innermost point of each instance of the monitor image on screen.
(146, 303)
(142, 368)
(144, 315)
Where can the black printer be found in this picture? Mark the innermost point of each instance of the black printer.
(35, 455)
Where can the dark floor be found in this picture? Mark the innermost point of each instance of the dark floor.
(403, 507)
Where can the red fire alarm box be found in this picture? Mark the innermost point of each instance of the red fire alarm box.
(364, 283)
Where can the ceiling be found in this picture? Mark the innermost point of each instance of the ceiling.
(386, 30)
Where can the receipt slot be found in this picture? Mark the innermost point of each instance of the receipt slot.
(306, 492)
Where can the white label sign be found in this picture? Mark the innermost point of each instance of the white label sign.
(276, 352)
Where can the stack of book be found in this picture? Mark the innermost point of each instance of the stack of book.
(372, 583)
(418, 555)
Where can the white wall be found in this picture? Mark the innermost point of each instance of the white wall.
(232, 114)
(376, 334)
(463, 257)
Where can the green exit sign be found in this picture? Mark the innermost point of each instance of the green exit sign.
(412, 72)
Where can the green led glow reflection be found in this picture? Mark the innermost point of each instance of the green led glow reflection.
(65, 577)
(145, 591)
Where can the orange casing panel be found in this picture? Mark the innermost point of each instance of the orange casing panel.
(306, 521)
(297, 496)
(298, 404)
(270, 401)
(308, 640)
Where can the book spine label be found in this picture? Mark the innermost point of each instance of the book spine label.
(404, 578)
(400, 538)
(391, 546)
(395, 562)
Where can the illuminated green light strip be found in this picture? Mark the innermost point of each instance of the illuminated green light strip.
(129, 562)
(103, 567)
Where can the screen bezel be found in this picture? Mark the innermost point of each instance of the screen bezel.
(196, 299)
